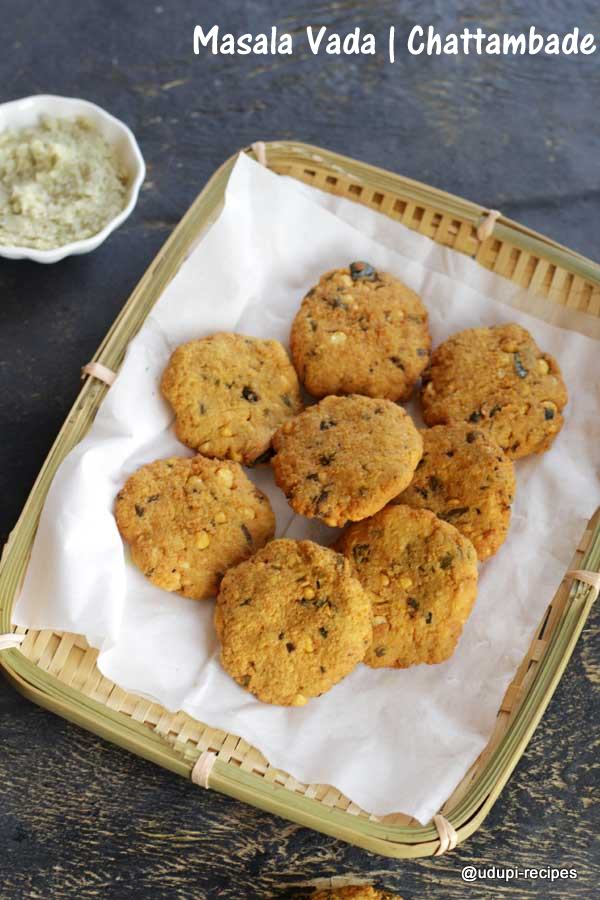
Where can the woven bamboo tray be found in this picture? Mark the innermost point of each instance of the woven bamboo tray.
(58, 670)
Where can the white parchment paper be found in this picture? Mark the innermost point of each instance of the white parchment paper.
(393, 741)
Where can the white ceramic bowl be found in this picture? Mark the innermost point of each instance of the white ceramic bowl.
(26, 112)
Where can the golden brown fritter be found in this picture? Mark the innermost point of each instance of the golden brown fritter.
(188, 520)
(499, 380)
(360, 331)
(354, 892)
(465, 478)
(421, 575)
(230, 393)
(345, 457)
(292, 622)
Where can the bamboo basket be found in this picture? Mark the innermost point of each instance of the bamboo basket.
(58, 670)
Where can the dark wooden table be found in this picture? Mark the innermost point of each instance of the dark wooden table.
(80, 818)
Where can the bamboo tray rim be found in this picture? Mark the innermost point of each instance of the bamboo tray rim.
(505, 227)
(38, 685)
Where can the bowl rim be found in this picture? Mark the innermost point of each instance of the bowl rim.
(85, 245)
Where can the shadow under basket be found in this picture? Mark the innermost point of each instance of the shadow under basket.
(58, 670)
